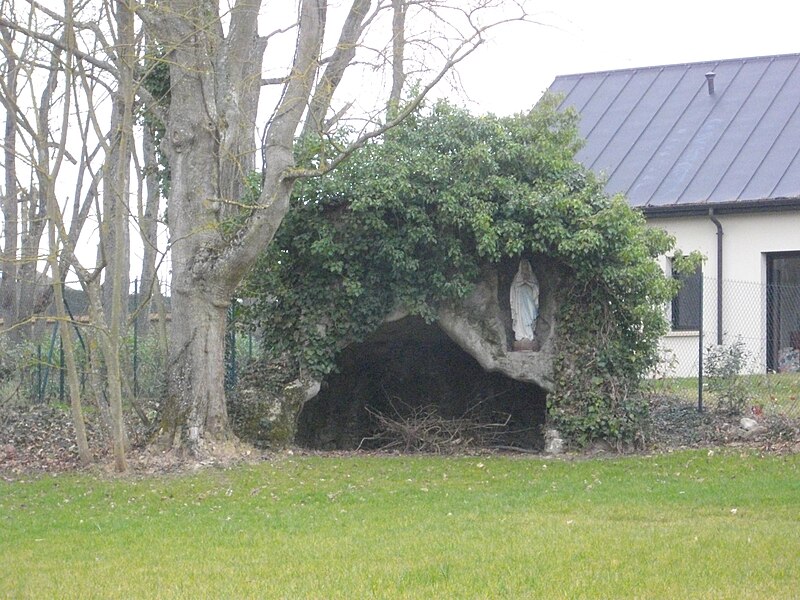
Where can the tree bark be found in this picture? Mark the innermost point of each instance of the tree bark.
(115, 240)
(196, 409)
(148, 226)
(398, 56)
(9, 292)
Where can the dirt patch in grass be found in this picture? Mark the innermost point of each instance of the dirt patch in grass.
(41, 438)
(676, 424)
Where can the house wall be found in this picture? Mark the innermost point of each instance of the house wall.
(747, 239)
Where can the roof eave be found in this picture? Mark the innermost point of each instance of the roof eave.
(721, 208)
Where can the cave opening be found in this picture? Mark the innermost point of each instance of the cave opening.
(407, 368)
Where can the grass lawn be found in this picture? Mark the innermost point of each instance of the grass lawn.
(681, 525)
(776, 393)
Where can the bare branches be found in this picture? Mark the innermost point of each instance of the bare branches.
(57, 43)
(453, 48)
(313, 15)
(423, 429)
(352, 30)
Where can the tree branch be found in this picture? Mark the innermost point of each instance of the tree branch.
(274, 80)
(298, 89)
(56, 43)
(465, 47)
(345, 51)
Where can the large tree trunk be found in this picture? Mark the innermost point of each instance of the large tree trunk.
(195, 405)
(214, 83)
(197, 370)
(199, 303)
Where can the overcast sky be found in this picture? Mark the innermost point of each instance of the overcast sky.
(510, 73)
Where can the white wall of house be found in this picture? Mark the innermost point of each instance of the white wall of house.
(747, 239)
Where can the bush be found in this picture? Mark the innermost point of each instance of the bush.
(723, 366)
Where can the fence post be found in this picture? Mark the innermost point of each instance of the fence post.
(61, 369)
(39, 372)
(44, 381)
(136, 340)
(700, 351)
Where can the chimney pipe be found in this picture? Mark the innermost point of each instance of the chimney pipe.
(710, 81)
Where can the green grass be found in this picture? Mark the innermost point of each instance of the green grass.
(778, 393)
(682, 525)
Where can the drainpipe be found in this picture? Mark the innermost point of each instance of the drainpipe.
(720, 233)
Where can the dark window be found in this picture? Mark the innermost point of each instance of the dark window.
(687, 305)
(783, 311)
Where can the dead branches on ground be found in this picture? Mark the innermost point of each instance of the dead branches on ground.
(423, 429)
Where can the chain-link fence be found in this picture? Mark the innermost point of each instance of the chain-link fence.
(758, 323)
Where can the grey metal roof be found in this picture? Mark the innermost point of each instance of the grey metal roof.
(664, 141)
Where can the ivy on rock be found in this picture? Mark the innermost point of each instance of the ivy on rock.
(409, 221)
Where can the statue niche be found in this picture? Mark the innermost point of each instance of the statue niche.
(524, 300)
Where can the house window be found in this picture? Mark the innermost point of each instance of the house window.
(687, 305)
(783, 311)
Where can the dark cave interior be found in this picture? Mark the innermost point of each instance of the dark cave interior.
(409, 366)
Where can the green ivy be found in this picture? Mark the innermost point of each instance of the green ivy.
(410, 220)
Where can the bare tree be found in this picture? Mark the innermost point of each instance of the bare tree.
(148, 209)
(66, 80)
(23, 289)
(8, 287)
(43, 139)
(114, 230)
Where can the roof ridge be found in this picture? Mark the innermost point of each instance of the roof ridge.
(712, 61)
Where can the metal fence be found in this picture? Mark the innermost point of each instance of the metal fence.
(40, 369)
(761, 319)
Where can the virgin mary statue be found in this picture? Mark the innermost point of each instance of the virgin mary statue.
(524, 302)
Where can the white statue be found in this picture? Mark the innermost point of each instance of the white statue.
(524, 302)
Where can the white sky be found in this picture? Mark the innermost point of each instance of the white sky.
(510, 73)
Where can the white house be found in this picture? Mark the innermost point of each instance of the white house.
(710, 152)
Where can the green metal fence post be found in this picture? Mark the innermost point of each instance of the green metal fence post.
(61, 369)
(700, 352)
